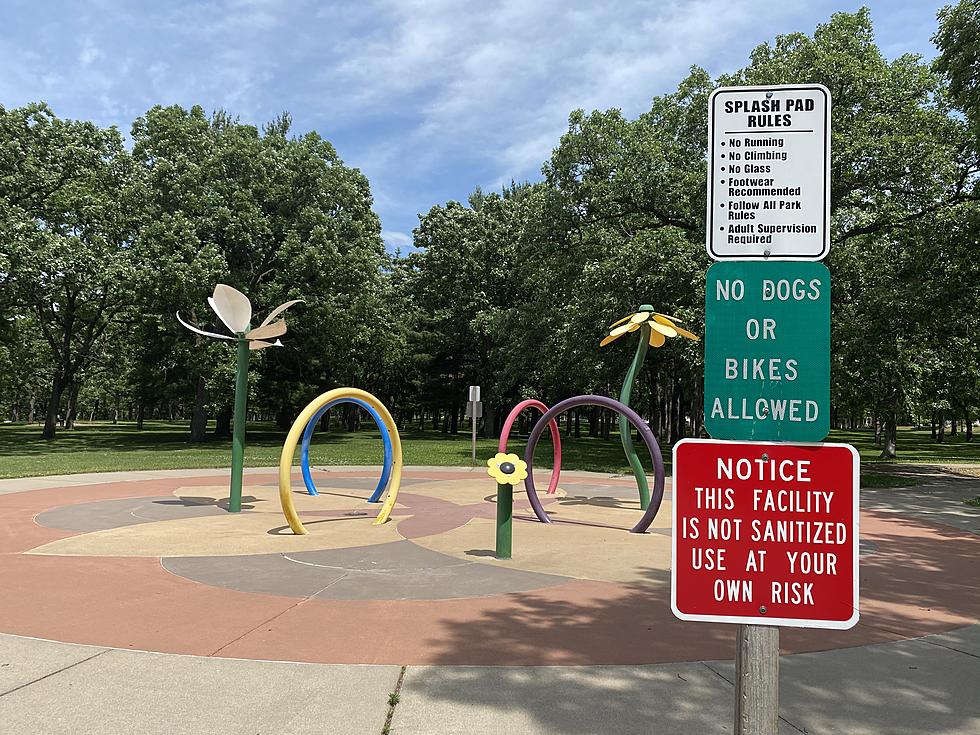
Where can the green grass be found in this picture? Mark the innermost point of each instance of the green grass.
(102, 447)
(914, 446)
(885, 480)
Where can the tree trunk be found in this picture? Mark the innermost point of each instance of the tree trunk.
(942, 428)
(952, 427)
(933, 424)
(969, 427)
(284, 417)
(681, 424)
(199, 416)
(140, 414)
(51, 417)
(454, 419)
(72, 408)
(890, 437)
(222, 422)
(697, 413)
(652, 397)
(490, 421)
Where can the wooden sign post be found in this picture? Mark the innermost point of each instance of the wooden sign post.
(757, 680)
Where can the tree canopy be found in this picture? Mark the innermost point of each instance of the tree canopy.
(511, 290)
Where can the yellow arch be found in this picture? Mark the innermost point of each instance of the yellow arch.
(296, 433)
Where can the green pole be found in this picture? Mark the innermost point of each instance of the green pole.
(505, 519)
(238, 433)
(625, 431)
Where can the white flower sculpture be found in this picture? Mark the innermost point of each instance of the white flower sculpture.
(235, 310)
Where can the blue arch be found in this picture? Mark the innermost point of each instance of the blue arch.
(385, 437)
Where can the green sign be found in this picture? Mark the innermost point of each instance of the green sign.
(767, 351)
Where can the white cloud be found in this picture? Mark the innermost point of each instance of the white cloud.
(90, 52)
(497, 81)
(396, 239)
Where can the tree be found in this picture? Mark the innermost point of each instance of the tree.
(276, 217)
(68, 196)
(626, 228)
(331, 254)
(958, 42)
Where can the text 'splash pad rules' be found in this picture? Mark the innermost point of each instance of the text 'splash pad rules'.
(768, 165)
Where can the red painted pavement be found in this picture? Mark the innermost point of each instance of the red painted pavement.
(920, 580)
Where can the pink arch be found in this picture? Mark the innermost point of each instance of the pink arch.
(555, 437)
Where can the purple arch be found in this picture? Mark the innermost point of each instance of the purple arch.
(634, 418)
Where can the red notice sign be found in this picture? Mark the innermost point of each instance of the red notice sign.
(765, 533)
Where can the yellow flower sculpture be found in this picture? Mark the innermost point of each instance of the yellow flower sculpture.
(507, 469)
(654, 328)
(661, 327)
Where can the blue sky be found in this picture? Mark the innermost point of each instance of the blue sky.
(429, 98)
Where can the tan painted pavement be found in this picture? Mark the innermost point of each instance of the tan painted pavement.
(588, 552)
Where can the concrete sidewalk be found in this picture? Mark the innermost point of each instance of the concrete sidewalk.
(909, 687)
(920, 686)
(55, 688)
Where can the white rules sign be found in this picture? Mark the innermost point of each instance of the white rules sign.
(768, 173)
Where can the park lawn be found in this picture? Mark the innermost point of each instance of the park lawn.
(914, 446)
(103, 447)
